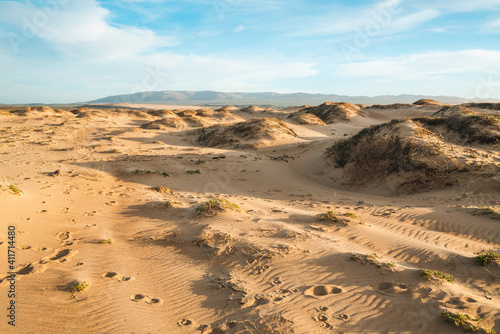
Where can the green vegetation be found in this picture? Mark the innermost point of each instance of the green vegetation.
(483, 258)
(487, 211)
(106, 241)
(79, 287)
(139, 171)
(15, 190)
(465, 322)
(194, 171)
(215, 205)
(430, 274)
(329, 215)
(343, 218)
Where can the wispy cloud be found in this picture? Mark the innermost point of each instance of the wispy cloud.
(419, 66)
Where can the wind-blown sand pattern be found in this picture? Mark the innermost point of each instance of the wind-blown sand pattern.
(193, 220)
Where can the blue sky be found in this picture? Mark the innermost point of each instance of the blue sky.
(60, 51)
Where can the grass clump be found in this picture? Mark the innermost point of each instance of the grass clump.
(435, 274)
(144, 171)
(194, 171)
(79, 286)
(343, 218)
(465, 322)
(487, 211)
(216, 205)
(15, 190)
(162, 190)
(483, 258)
(106, 241)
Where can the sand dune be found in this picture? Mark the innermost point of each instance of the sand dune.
(227, 221)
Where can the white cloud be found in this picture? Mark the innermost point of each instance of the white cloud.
(80, 28)
(419, 66)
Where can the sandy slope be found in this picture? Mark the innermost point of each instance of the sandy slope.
(170, 270)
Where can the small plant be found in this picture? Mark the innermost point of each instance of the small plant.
(215, 205)
(329, 215)
(483, 258)
(466, 322)
(106, 241)
(390, 264)
(194, 171)
(487, 211)
(162, 190)
(344, 218)
(79, 286)
(473, 155)
(430, 274)
(169, 204)
(15, 190)
(199, 162)
(358, 257)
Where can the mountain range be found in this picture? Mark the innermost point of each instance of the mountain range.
(267, 98)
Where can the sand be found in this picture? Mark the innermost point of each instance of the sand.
(103, 205)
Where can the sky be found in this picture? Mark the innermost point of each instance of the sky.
(65, 51)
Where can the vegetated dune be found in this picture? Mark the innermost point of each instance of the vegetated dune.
(392, 106)
(428, 102)
(416, 155)
(163, 113)
(466, 128)
(196, 121)
(226, 109)
(487, 106)
(255, 133)
(307, 119)
(251, 109)
(186, 112)
(205, 112)
(111, 113)
(169, 122)
(453, 111)
(331, 112)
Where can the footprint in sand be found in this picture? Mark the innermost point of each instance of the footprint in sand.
(116, 275)
(140, 298)
(32, 268)
(320, 291)
(459, 302)
(63, 255)
(391, 288)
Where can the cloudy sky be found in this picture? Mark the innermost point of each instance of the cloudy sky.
(78, 50)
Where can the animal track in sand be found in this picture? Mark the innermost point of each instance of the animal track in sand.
(140, 298)
(63, 236)
(322, 291)
(185, 322)
(391, 288)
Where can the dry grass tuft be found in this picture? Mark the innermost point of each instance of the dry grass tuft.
(215, 206)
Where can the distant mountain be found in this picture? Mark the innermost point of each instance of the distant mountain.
(267, 98)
